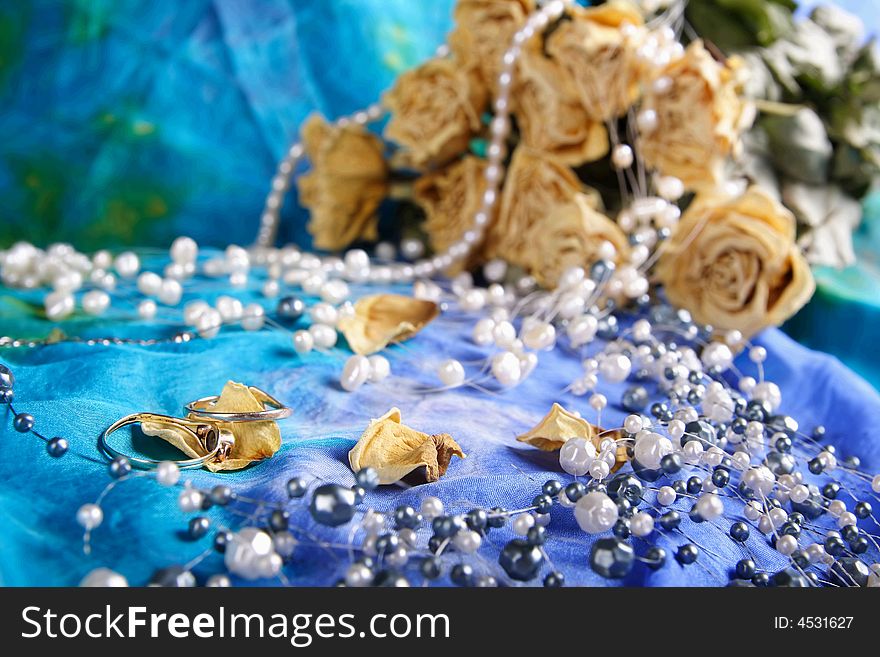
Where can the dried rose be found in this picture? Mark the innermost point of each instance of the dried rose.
(733, 263)
(551, 115)
(254, 441)
(395, 450)
(484, 30)
(435, 110)
(347, 182)
(382, 319)
(450, 198)
(699, 118)
(599, 58)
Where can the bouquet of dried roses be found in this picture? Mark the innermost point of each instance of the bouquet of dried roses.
(626, 146)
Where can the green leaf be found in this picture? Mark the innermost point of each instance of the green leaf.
(799, 146)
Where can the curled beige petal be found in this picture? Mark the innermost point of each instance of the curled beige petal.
(254, 441)
(382, 319)
(559, 426)
(347, 182)
(733, 262)
(395, 450)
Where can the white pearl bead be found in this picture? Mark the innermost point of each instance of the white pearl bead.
(325, 336)
(753, 510)
(324, 313)
(303, 342)
(632, 424)
(58, 305)
(523, 523)
(540, 336)
(335, 291)
(768, 392)
(576, 455)
(482, 333)
(431, 507)
(599, 469)
(506, 368)
(380, 368)
(251, 554)
(650, 449)
(647, 121)
(786, 544)
(467, 541)
(184, 250)
(846, 519)
(799, 493)
(717, 354)
(815, 552)
(709, 506)
(692, 451)
(170, 292)
(451, 373)
(642, 524)
(760, 479)
(836, 508)
(373, 522)
(615, 368)
(103, 578)
(472, 300)
(595, 512)
(622, 156)
(582, 330)
(271, 289)
(89, 516)
(149, 283)
(95, 302)
(192, 311)
(666, 495)
(147, 309)
(190, 500)
(167, 473)
(875, 483)
(669, 188)
(504, 334)
(230, 308)
(253, 317)
(355, 373)
(127, 264)
(208, 323)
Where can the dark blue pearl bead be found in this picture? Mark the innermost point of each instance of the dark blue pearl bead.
(790, 578)
(221, 495)
(536, 535)
(406, 517)
(390, 578)
(367, 478)
(863, 510)
(221, 540)
(720, 477)
(6, 396)
(485, 582)
(671, 464)
(198, 527)
(575, 491)
(815, 466)
(554, 580)
(359, 494)
(7, 378)
(694, 485)
(791, 529)
(291, 307)
(739, 531)
(23, 422)
(608, 327)
(849, 571)
(779, 463)
(745, 568)
(542, 503)
(497, 518)
(621, 529)
(783, 445)
(387, 543)
(477, 520)
(796, 517)
(332, 505)
(57, 447)
(431, 568)
(670, 520)
(634, 399)
(695, 516)
(296, 487)
(521, 560)
(834, 546)
(830, 490)
(435, 543)
(687, 554)
(279, 520)
(699, 430)
(601, 270)
(859, 545)
(594, 485)
(626, 486)
(655, 557)
(761, 579)
(447, 526)
(819, 432)
(551, 487)
(849, 533)
(800, 558)
(173, 577)
(119, 467)
(611, 558)
(462, 574)
(680, 487)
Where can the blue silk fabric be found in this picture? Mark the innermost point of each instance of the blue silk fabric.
(76, 391)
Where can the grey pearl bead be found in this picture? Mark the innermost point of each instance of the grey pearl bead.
(521, 560)
(291, 307)
(332, 505)
(57, 447)
(173, 577)
(23, 422)
(611, 558)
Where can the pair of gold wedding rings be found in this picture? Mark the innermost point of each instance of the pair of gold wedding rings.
(204, 427)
